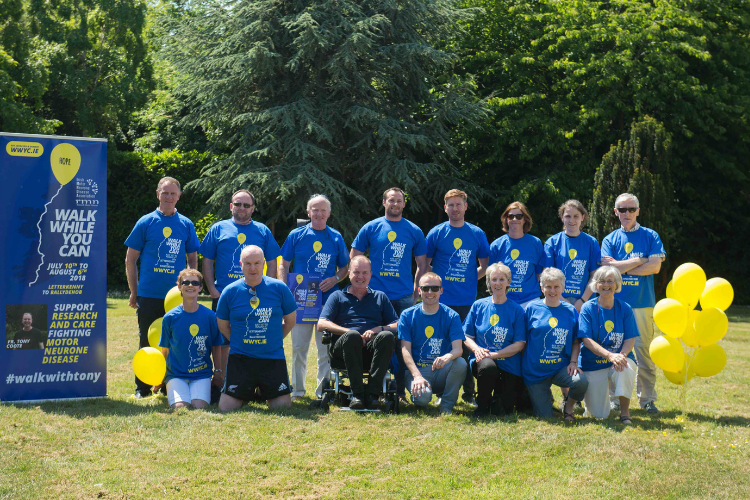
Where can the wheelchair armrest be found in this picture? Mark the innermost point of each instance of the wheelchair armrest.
(327, 337)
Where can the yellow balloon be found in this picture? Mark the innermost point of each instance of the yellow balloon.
(167, 231)
(275, 264)
(609, 326)
(154, 333)
(709, 360)
(299, 279)
(678, 378)
(391, 235)
(718, 293)
(671, 317)
(667, 354)
(65, 161)
(150, 366)
(194, 329)
(672, 294)
(494, 319)
(457, 243)
(317, 246)
(514, 254)
(553, 322)
(689, 280)
(241, 238)
(429, 331)
(628, 247)
(711, 326)
(689, 336)
(173, 299)
(572, 253)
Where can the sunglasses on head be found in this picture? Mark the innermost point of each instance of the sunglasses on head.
(430, 288)
(622, 210)
(515, 216)
(190, 283)
(243, 205)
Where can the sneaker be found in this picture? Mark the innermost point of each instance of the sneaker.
(438, 401)
(651, 408)
(373, 402)
(143, 394)
(470, 400)
(356, 404)
(614, 405)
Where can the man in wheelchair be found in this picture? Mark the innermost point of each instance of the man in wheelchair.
(362, 321)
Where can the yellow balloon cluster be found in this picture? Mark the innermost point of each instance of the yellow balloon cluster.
(676, 318)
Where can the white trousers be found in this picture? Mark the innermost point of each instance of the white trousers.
(605, 382)
(301, 338)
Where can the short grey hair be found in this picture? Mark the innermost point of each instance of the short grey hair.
(605, 272)
(497, 267)
(552, 274)
(627, 196)
(318, 196)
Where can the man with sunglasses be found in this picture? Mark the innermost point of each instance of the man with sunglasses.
(431, 344)
(362, 321)
(162, 241)
(255, 313)
(637, 252)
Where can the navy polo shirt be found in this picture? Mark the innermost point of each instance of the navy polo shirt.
(347, 311)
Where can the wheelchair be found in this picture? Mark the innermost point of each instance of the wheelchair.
(336, 387)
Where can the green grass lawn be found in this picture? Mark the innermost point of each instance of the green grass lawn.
(125, 448)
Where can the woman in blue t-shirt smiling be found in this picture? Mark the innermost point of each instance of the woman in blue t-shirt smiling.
(608, 330)
(189, 338)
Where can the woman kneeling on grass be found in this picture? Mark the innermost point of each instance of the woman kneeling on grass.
(551, 354)
(608, 329)
(189, 337)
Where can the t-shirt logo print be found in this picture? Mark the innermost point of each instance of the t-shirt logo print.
(560, 335)
(322, 258)
(174, 248)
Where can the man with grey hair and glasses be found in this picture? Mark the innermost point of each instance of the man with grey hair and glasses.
(320, 251)
(637, 252)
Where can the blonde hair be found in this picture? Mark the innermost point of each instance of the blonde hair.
(495, 268)
(552, 274)
(456, 193)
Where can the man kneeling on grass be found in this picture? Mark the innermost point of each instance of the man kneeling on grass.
(255, 313)
(431, 343)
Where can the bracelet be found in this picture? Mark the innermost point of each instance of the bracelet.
(217, 370)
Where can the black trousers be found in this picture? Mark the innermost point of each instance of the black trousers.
(148, 311)
(377, 353)
(498, 390)
(463, 311)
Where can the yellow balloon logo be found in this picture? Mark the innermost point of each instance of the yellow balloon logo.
(65, 161)
(194, 330)
(457, 243)
(254, 302)
(317, 246)
(609, 326)
(514, 254)
(299, 279)
(553, 322)
(572, 253)
(429, 331)
(628, 247)
(167, 231)
(392, 236)
(241, 238)
(494, 319)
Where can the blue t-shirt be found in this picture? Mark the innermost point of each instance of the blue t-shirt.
(607, 327)
(430, 334)
(638, 291)
(576, 257)
(496, 326)
(550, 332)
(164, 241)
(256, 325)
(454, 252)
(391, 246)
(189, 338)
(316, 252)
(224, 243)
(525, 258)
(347, 311)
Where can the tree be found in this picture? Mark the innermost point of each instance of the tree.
(341, 97)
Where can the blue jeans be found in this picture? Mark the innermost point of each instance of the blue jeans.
(541, 395)
(446, 381)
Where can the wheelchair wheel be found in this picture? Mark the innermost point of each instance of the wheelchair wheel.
(388, 407)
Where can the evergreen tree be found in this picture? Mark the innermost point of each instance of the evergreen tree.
(339, 97)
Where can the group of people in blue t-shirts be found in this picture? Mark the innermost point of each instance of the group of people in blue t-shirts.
(565, 313)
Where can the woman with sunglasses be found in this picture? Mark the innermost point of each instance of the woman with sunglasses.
(608, 329)
(574, 252)
(495, 331)
(189, 338)
(521, 252)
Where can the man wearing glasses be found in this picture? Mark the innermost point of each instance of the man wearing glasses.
(255, 313)
(637, 252)
(162, 240)
(431, 344)
(362, 321)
